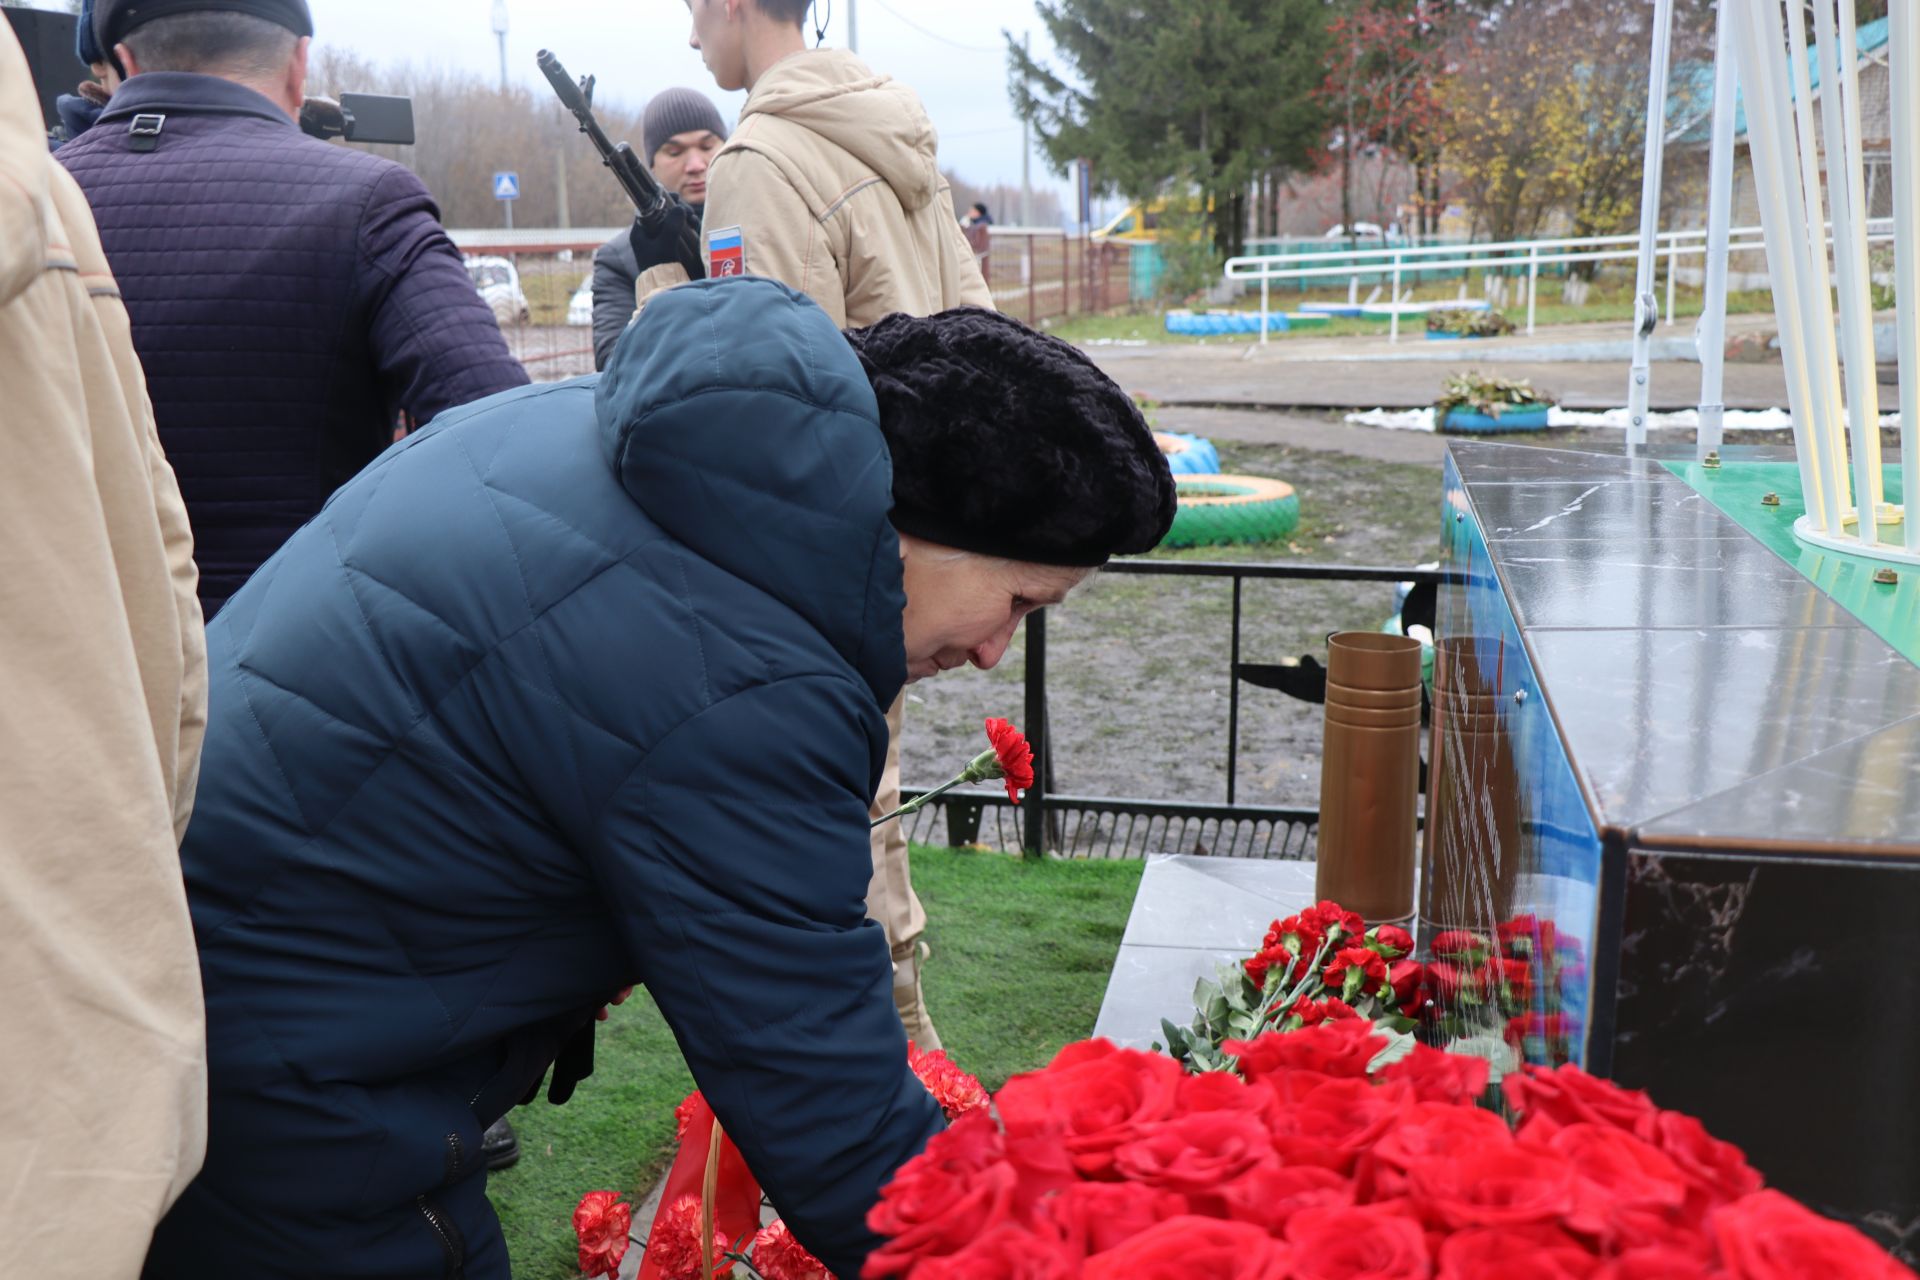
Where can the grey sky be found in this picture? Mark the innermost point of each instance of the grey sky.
(637, 47)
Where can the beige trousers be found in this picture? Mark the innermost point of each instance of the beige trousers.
(890, 896)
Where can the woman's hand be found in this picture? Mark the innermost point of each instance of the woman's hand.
(618, 999)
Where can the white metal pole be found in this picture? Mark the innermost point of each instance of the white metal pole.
(1026, 149)
(1903, 61)
(853, 26)
(1673, 267)
(1710, 336)
(1757, 41)
(1823, 362)
(1863, 388)
(1395, 301)
(1646, 312)
(1265, 285)
(1533, 286)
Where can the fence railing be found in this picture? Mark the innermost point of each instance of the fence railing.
(1041, 273)
(1497, 261)
(1114, 826)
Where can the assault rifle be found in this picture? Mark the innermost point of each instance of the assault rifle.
(660, 212)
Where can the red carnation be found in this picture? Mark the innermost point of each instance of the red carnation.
(1330, 914)
(1392, 941)
(1314, 1012)
(1301, 934)
(778, 1256)
(1014, 755)
(956, 1091)
(603, 1223)
(1356, 971)
(1461, 945)
(675, 1244)
(1268, 958)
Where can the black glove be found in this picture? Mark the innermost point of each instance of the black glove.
(676, 238)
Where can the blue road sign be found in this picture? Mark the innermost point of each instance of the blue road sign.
(506, 186)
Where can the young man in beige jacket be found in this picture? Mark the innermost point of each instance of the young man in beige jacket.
(103, 699)
(831, 184)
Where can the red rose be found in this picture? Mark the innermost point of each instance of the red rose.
(1718, 1171)
(1356, 971)
(778, 1256)
(603, 1224)
(1408, 978)
(1617, 1172)
(1441, 1077)
(943, 1198)
(1312, 1013)
(1339, 1047)
(1186, 1247)
(1195, 1154)
(1330, 1122)
(1006, 1252)
(1093, 1217)
(1090, 1099)
(1767, 1236)
(1392, 941)
(1269, 1196)
(1371, 1243)
(955, 1090)
(1460, 945)
(1569, 1095)
(1496, 1187)
(1015, 757)
(1427, 1132)
(1515, 1253)
(674, 1246)
(1220, 1091)
(1659, 1264)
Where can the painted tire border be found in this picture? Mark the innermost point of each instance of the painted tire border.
(1260, 510)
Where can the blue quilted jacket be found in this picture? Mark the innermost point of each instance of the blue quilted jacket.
(289, 298)
(581, 686)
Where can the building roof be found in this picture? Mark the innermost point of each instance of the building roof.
(1690, 90)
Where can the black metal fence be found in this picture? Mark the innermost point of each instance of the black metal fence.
(1119, 827)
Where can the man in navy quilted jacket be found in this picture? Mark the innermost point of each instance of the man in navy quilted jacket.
(289, 297)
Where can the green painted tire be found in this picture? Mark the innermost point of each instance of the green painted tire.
(1216, 510)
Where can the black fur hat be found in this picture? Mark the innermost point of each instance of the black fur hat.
(1012, 443)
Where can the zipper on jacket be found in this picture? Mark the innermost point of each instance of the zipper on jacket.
(452, 1243)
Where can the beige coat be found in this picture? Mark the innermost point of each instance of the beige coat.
(102, 704)
(832, 181)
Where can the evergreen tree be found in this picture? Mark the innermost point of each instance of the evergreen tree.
(1178, 95)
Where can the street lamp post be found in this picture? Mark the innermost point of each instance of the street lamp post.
(500, 30)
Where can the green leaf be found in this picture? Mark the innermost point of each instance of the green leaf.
(1399, 1045)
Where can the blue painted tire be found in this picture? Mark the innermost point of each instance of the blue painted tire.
(1521, 417)
(1209, 323)
(1217, 510)
(1188, 455)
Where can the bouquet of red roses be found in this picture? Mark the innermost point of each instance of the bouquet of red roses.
(1337, 1154)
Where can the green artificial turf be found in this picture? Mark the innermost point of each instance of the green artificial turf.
(1020, 957)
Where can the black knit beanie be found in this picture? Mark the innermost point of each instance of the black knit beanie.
(1011, 443)
(113, 19)
(677, 111)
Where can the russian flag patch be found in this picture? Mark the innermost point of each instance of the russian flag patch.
(726, 253)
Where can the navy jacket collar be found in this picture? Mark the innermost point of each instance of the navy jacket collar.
(190, 93)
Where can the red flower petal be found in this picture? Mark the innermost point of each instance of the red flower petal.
(1015, 755)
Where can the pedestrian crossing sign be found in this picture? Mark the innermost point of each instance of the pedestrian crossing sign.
(506, 186)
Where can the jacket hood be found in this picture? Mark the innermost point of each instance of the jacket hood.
(877, 120)
(741, 422)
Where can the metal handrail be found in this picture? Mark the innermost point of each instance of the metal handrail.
(1038, 804)
(1498, 257)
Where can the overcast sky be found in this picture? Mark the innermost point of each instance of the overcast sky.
(949, 50)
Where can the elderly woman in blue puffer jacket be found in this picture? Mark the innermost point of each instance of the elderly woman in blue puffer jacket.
(583, 687)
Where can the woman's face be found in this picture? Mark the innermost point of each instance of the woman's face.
(719, 35)
(963, 608)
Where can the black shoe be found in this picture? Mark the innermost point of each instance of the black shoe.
(498, 1145)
